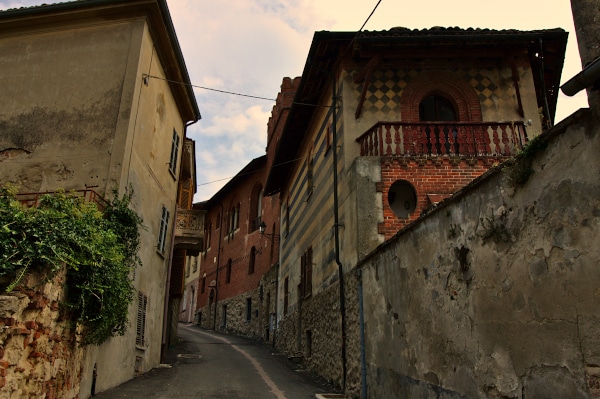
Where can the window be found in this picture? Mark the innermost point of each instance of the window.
(306, 273)
(308, 343)
(174, 153)
(234, 219)
(287, 216)
(441, 139)
(402, 198)
(195, 264)
(248, 309)
(256, 207)
(228, 272)
(286, 295)
(162, 233)
(309, 174)
(252, 260)
(203, 285)
(140, 338)
(207, 237)
(188, 266)
(328, 139)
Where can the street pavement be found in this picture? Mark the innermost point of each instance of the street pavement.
(208, 365)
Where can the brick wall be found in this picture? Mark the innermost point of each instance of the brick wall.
(433, 178)
(39, 356)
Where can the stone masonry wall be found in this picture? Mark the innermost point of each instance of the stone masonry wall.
(316, 337)
(38, 353)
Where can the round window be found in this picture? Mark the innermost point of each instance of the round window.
(402, 198)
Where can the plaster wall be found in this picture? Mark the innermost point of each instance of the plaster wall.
(62, 93)
(75, 113)
(145, 167)
(494, 295)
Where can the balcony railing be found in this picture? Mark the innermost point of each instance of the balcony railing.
(88, 195)
(443, 138)
(189, 229)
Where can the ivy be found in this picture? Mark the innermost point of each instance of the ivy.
(99, 250)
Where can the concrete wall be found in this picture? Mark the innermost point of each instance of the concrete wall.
(494, 294)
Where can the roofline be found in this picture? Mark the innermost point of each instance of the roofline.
(402, 37)
(193, 113)
(253, 166)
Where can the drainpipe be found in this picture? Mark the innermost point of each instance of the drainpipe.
(217, 273)
(361, 322)
(336, 226)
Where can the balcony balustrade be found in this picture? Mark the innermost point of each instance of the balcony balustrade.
(443, 138)
(189, 230)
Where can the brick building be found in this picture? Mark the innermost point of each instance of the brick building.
(237, 280)
(383, 126)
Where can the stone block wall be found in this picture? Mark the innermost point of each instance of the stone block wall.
(39, 356)
(313, 332)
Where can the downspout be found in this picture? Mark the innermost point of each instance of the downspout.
(218, 263)
(336, 226)
(361, 323)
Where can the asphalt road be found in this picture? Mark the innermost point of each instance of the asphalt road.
(210, 365)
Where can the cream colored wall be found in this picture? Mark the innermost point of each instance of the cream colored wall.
(62, 90)
(75, 113)
(146, 153)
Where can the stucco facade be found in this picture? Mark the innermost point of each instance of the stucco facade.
(85, 105)
(377, 133)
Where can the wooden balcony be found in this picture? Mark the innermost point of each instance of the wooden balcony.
(189, 230)
(471, 139)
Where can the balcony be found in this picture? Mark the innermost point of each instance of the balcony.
(472, 139)
(189, 230)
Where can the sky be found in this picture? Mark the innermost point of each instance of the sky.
(249, 46)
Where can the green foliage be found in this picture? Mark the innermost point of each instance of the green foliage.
(519, 172)
(98, 249)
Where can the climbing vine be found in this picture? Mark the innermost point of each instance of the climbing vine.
(98, 249)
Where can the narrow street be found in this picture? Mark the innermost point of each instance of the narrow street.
(204, 364)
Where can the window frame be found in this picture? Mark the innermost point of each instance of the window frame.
(175, 144)
(163, 229)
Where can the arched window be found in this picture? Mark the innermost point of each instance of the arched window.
(440, 137)
(437, 108)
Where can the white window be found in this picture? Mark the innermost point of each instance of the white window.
(162, 234)
(174, 153)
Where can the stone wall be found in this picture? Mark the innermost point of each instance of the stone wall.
(38, 353)
(260, 325)
(494, 293)
(312, 333)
